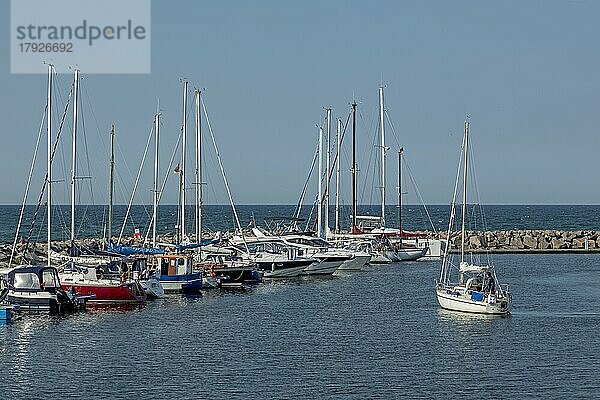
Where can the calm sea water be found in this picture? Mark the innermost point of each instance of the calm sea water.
(91, 220)
(373, 334)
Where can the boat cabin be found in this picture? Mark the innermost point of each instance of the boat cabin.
(34, 279)
(175, 264)
(273, 247)
(307, 241)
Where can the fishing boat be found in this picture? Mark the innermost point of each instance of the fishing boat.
(38, 289)
(176, 274)
(477, 289)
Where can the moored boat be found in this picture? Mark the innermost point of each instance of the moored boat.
(84, 282)
(38, 289)
(176, 275)
(275, 259)
(229, 270)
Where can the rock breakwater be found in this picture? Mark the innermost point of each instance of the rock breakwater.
(546, 240)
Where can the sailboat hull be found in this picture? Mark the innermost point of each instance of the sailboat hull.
(107, 292)
(461, 302)
(410, 254)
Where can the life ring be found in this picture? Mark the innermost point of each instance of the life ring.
(212, 270)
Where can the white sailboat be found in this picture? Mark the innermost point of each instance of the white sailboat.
(478, 289)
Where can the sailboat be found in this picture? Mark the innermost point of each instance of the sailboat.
(225, 269)
(478, 289)
(175, 271)
(84, 280)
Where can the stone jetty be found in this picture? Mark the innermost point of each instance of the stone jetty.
(527, 241)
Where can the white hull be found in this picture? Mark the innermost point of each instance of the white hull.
(435, 247)
(209, 282)
(321, 267)
(464, 304)
(173, 287)
(153, 288)
(356, 263)
(380, 258)
(410, 254)
(284, 273)
(391, 255)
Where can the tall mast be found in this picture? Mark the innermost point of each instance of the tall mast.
(179, 174)
(183, 166)
(464, 205)
(74, 152)
(155, 188)
(327, 170)
(49, 164)
(353, 167)
(337, 177)
(400, 151)
(111, 182)
(198, 171)
(382, 127)
(320, 191)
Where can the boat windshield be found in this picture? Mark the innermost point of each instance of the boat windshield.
(27, 281)
(50, 279)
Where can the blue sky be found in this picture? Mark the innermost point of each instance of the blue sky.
(527, 73)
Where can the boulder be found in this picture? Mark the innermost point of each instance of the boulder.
(516, 242)
(475, 242)
(530, 242)
(569, 236)
(559, 243)
(543, 243)
(580, 243)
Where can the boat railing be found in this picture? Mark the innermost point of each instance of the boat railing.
(504, 287)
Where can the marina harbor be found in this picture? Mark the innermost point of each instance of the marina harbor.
(299, 200)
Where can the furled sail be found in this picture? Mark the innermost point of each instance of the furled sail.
(130, 250)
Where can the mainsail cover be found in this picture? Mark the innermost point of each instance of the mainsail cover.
(130, 250)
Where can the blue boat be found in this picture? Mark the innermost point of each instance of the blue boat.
(176, 275)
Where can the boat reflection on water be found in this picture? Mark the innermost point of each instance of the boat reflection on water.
(114, 307)
(445, 315)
